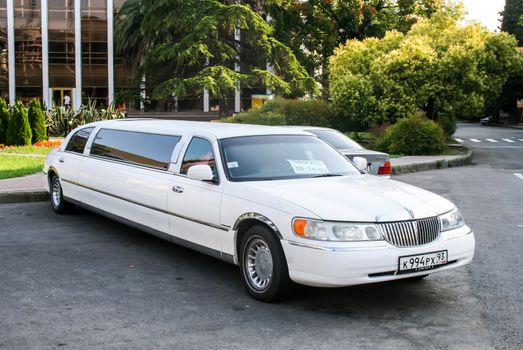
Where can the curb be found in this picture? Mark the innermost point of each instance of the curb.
(508, 126)
(23, 196)
(437, 164)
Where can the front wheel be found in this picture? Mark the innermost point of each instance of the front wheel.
(60, 206)
(264, 269)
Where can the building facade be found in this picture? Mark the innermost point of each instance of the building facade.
(50, 49)
(53, 48)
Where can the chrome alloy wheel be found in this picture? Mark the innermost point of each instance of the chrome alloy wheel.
(56, 192)
(258, 263)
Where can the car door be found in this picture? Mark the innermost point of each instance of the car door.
(194, 206)
(127, 174)
(69, 162)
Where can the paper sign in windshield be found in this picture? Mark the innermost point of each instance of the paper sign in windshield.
(308, 166)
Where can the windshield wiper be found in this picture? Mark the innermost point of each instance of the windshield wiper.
(325, 175)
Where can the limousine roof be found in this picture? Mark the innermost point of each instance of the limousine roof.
(210, 129)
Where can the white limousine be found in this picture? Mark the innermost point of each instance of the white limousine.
(282, 204)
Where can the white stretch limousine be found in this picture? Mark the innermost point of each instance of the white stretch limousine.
(279, 202)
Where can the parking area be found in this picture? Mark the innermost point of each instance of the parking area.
(83, 281)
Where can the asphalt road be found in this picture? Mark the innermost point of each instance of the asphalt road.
(82, 281)
(490, 195)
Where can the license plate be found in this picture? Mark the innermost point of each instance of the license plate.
(421, 262)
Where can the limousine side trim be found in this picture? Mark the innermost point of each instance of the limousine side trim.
(199, 248)
(218, 227)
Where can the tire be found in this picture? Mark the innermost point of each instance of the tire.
(59, 205)
(263, 266)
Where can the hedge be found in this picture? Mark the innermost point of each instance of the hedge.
(4, 121)
(287, 112)
(37, 121)
(19, 130)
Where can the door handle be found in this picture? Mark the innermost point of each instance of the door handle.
(178, 189)
(61, 160)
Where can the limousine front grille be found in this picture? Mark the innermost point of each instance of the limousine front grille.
(411, 233)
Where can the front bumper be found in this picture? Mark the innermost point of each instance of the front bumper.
(337, 264)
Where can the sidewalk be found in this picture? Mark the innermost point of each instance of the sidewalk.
(33, 188)
(30, 188)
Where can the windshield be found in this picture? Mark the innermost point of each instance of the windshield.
(336, 139)
(276, 157)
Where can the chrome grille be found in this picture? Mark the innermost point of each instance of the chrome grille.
(411, 233)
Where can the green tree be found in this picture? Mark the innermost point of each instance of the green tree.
(188, 46)
(513, 89)
(512, 15)
(314, 28)
(4, 120)
(37, 121)
(439, 66)
(19, 131)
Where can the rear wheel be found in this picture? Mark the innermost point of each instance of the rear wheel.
(264, 269)
(60, 206)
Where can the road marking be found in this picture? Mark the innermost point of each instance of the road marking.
(491, 140)
(475, 140)
(520, 139)
(497, 146)
(508, 140)
(519, 175)
(459, 140)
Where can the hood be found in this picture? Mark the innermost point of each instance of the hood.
(363, 198)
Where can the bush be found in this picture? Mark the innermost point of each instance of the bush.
(257, 116)
(37, 121)
(286, 112)
(60, 120)
(447, 123)
(301, 112)
(415, 135)
(18, 130)
(4, 120)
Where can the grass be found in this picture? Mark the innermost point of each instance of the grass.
(27, 150)
(15, 166)
(453, 151)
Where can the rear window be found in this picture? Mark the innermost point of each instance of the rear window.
(151, 150)
(78, 140)
(336, 139)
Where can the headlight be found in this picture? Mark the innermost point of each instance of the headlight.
(335, 231)
(451, 220)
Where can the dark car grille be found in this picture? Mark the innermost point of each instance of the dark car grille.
(411, 233)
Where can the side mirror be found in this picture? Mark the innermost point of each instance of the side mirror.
(361, 163)
(201, 172)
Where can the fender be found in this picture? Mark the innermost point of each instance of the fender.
(258, 217)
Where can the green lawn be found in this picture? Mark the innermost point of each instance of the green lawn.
(15, 166)
(27, 150)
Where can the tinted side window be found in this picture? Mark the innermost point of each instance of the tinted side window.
(78, 140)
(151, 150)
(198, 152)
